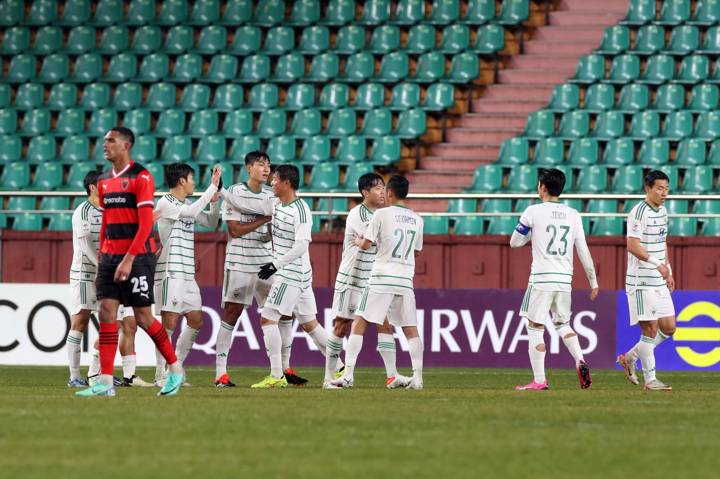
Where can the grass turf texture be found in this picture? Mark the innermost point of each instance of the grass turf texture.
(466, 423)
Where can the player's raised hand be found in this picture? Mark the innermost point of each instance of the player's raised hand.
(217, 171)
(594, 294)
(664, 271)
(671, 283)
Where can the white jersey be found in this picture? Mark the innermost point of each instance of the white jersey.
(356, 264)
(291, 223)
(556, 229)
(650, 225)
(397, 232)
(176, 225)
(86, 222)
(247, 253)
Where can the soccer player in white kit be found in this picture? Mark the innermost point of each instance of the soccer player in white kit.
(177, 293)
(649, 281)
(554, 230)
(397, 232)
(351, 280)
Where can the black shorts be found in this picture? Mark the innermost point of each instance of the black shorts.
(136, 291)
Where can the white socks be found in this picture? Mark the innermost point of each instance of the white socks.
(572, 343)
(386, 348)
(222, 348)
(319, 337)
(273, 343)
(286, 331)
(416, 357)
(646, 352)
(537, 358)
(129, 363)
(354, 347)
(185, 342)
(634, 353)
(73, 342)
(94, 368)
(332, 355)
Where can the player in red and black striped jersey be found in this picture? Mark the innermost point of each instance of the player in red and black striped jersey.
(126, 266)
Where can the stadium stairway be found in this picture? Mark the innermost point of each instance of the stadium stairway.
(524, 85)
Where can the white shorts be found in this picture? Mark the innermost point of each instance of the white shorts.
(287, 300)
(345, 303)
(399, 309)
(537, 305)
(177, 295)
(240, 288)
(83, 297)
(650, 304)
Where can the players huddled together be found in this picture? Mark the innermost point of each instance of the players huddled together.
(119, 273)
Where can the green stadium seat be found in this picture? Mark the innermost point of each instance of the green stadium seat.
(145, 149)
(479, 12)
(21, 203)
(228, 97)
(654, 152)
(350, 39)
(60, 222)
(628, 179)
(540, 124)
(139, 121)
(674, 12)
(289, 68)
(616, 40)
(549, 152)
(188, 68)
(464, 68)
(384, 39)
(299, 96)
(455, 39)
(633, 98)
(430, 68)
(114, 40)
(704, 97)
(353, 174)
(11, 12)
(304, 13)
(140, 12)
(15, 41)
(242, 146)
(707, 125)
(650, 40)
(405, 96)
(369, 96)
(324, 68)
(607, 226)
(697, 180)
(640, 12)
(27, 222)
(157, 170)
(502, 225)
(211, 150)
(583, 152)
(522, 179)
(272, 123)
(48, 40)
(421, 39)
(154, 68)
(179, 39)
(602, 206)
(195, 97)
(590, 69)
(15, 176)
(435, 225)
(618, 152)
(707, 207)
(36, 122)
(55, 68)
(22, 69)
(315, 150)
(408, 12)
(29, 96)
(514, 12)
(462, 205)
(212, 39)
(673, 173)
(237, 12)
(707, 13)
(377, 123)
(203, 123)
(48, 177)
(334, 96)
(385, 151)
(238, 123)
(514, 151)
(306, 123)
(5, 95)
(693, 69)
(439, 97)
(394, 68)
(690, 153)
(489, 39)
(176, 149)
(263, 96)
(444, 12)
(683, 227)
(8, 121)
(624, 69)
(127, 96)
(711, 43)
(324, 176)
(487, 178)
(411, 124)
(658, 69)
(339, 12)
(468, 225)
(172, 12)
(76, 175)
(278, 41)
(675, 207)
(147, 39)
(644, 125)
(592, 179)
(88, 68)
(599, 97)
(375, 12)
(205, 12)
(574, 124)
(281, 149)
(62, 96)
(123, 67)
(351, 149)
(101, 120)
(11, 150)
(42, 13)
(341, 123)
(269, 13)
(669, 97)
(314, 40)
(108, 12)
(678, 125)
(713, 157)
(564, 98)
(161, 96)
(70, 122)
(684, 40)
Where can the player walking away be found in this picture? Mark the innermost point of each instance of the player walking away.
(397, 232)
(86, 221)
(352, 278)
(248, 248)
(176, 290)
(554, 229)
(649, 281)
(127, 259)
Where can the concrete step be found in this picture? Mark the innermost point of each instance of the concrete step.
(428, 205)
(568, 62)
(484, 105)
(481, 136)
(561, 47)
(619, 6)
(492, 120)
(586, 17)
(588, 33)
(517, 92)
(470, 163)
(453, 150)
(539, 76)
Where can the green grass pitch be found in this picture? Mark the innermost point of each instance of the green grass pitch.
(465, 423)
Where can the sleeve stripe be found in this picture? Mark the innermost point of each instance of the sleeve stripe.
(145, 203)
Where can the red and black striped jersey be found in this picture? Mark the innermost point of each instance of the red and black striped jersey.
(121, 196)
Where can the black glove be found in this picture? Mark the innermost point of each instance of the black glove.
(267, 270)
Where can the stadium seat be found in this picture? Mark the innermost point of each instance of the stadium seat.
(707, 207)
(615, 40)
(384, 39)
(350, 39)
(690, 153)
(314, 40)
(435, 225)
(713, 157)
(324, 177)
(179, 40)
(411, 124)
(304, 13)
(76, 175)
(693, 69)
(640, 12)
(385, 150)
(341, 123)
(269, 13)
(263, 96)
(8, 121)
(195, 97)
(377, 123)
(211, 150)
(439, 97)
(5, 95)
(375, 12)
(489, 39)
(624, 69)
(479, 12)
(607, 226)
(711, 42)
(502, 225)
(669, 97)
(154, 68)
(289, 68)
(157, 170)
(351, 149)
(176, 149)
(334, 96)
(27, 222)
(430, 68)
(618, 152)
(203, 123)
(282, 149)
(464, 68)
(654, 152)
(114, 40)
(140, 12)
(55, 68)
(707, 13)
(574, 124)
(237, 12)
(145, 149)
(353, 174)
(674, 12)
(29, 96)
(48, 177)
(172, 12)
(658, 69)
(138, 120)
(421, 39)
(123, 67)
(278, 41)
(70, 121)
(339, 12)
(697, 180)
(683, 227)
(564, 98)
(583, 152)
(455, 39)
(242, 146)
(704, 97)
(633, 98)
(11, 150)
(306, 123)
(204, 12)
(644, 125)
(673, 174)
(684, 40)
(42, 13)
(599, 97)
(394, 68)
(678, 125)
(522, 179)
(324, 68)
(469, 225)
(188, 68)
(228, 97)
(707, 125)
(628, 179)
(590, 69)
(101, 120)
(650, 40)
(540, 124)
(487, 178)
(212, 40)
(549, 152)
(592, 179)
(62, 96)
(88, 68)
(677, 206)
(11, 13)
(36, 122)
(60, 222)
(315, 150)
(15, 176)
(15, 41)
(238, 123)
(299, 96)
(108, 12)
(514, 12)
(22, 69)
(161, 96)
(272, 123)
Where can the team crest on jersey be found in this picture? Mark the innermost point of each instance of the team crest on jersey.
(662, 234)
(125, 184)
(636, 227)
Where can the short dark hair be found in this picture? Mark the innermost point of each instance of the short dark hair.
(653, 175)
(553, 179)
(256, 155)
(368, 181)
(175, 171)
(91, 179)
(125, 133)
(399, 185)
(289, 173)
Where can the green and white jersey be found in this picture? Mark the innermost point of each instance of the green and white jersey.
(291, 223)
(247, 253)
(356, 264)
(397, 232)
(556, 230)
(650, 225)
(86, 222)
(176, 226)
